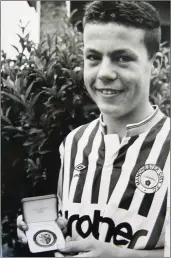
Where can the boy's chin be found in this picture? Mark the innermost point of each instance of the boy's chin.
(114, 112)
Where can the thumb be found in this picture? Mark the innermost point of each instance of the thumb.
(58, 254)
(62, 223)
(21, 224)
(76, 246)
(68, 238)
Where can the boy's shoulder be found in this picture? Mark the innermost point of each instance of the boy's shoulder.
(77, 132)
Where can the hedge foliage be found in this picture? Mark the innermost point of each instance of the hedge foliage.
(42, 99)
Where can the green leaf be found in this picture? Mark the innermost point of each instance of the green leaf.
(15, 48)
(49, 41)
(44, 152)
(32, 163)
(27, 143)
(51, 54)
(64, 87)
(7, 112)
(27, 36)
(15, 162)
(2, 112)
(23, 98)
(19, 136)
(5, 119)
(13, 97)
(42, 43)
(38, 162)
(34, 130)
(58, 112)
(21, 38)
(29, 89)
(42, 143)
(13, 128)
(8, 83)
(38, 63)
(35, 98)
(18, 84)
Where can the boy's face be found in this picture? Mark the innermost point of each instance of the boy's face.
(116, 68)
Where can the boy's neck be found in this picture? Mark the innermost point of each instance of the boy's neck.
(118, 125)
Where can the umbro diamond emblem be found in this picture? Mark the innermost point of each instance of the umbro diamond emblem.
(80, 167)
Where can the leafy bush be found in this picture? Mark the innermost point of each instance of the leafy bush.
(160, 85)
(42, 100)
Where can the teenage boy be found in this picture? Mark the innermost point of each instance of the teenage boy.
(114, 175)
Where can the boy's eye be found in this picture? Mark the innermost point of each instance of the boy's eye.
(124, 59)
(93, 58)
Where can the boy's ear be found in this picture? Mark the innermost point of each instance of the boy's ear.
(157, 62)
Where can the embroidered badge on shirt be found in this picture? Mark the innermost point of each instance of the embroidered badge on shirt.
(149, 178)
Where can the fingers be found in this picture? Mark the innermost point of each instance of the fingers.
(21, 236)
(76, 246)
(21, 224)
(21, 228)
(85, 254)
(68, 238)
(62, 223)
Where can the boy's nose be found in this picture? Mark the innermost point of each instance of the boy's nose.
(106, 71)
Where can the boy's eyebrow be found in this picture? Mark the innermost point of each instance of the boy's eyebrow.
(113, 53)
(123, 51)
(92, 51)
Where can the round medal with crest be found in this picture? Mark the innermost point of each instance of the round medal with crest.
(149, 178)
(44, 238)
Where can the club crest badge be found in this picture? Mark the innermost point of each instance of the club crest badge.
(149, 178)
(44, 238)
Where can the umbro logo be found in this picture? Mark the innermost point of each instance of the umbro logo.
(80, 167)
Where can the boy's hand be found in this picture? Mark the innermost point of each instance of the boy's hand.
(62, 223)
(58, 254)
(21, 228)
(90, 248)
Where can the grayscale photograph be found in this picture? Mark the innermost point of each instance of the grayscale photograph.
(85, 128)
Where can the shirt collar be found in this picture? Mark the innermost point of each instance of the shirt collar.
(140, 127)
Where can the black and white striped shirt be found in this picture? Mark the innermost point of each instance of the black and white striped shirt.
(117, 191)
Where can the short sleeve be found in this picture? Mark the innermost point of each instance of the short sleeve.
(167, 227)
(60, 178)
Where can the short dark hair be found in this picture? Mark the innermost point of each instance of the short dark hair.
(130, 13)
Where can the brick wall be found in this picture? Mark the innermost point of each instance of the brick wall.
(51, 14)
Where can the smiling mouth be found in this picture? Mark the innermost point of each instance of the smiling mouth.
(110, 92)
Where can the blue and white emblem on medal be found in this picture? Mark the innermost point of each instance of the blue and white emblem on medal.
(149, 178)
